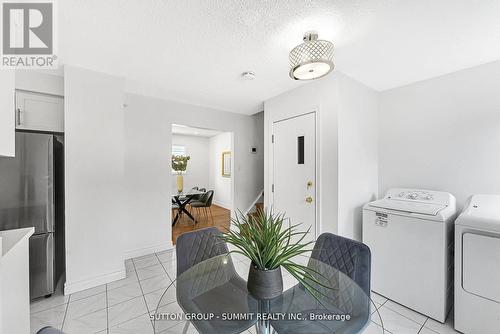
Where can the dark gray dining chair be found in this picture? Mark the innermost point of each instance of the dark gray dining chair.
(197, 246)
(205, 204)
(193, 248)
(351, 258)
(49, 330)
(195, 197)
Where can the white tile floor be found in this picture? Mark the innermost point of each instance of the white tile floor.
(123, 307)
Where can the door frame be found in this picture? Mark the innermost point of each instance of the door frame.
(317, 176)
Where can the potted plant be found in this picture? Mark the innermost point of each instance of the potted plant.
(179, 165)
(264, 238)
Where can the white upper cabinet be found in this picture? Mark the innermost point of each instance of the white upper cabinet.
(40, 112)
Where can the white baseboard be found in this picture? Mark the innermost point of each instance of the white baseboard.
(223, 205)
(254, 202)
(148, 250)
(72, 287)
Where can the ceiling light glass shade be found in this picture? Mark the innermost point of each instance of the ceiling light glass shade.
(312, 59)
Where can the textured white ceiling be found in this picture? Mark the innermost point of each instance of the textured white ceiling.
(195, 51)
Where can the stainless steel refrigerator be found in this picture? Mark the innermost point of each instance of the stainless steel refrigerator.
(32, 194)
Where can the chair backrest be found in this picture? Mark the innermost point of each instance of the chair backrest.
(197, 246)
(208, 198)
(351, 257)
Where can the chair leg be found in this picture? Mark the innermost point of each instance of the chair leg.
(211, 215)
(206, 214)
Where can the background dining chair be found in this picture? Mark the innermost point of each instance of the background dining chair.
(205, 204)
(351, 258)
(197, 246)
(175, 207)
(183, 198)
(196, 197)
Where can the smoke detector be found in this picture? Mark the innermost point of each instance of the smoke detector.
(248, 75)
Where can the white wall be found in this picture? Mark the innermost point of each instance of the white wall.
(443, 134)
(347, 139)
(220, 184)
(7, 115)
(259, 145)
(96, 214)
(46, 81)
(320, 96)
(148, 124)
(357, 153)
(197, 173)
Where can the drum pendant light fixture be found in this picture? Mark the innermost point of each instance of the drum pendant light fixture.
(312, 59)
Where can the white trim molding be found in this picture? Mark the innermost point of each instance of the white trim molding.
(148, 250)
(72, 287)
(223, 205)
(261, 193)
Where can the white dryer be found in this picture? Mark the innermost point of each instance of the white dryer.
(410, 234)
(477, 266)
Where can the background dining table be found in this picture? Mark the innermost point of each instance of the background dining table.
(182, 199)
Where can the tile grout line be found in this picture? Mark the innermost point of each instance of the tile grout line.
(107, 309)
(423, 325)
(405, 315)
(378, 313)
(142, 292)
(165, 269)
(66, 312)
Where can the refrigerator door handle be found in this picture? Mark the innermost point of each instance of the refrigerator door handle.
(50, 187)
(18, 116)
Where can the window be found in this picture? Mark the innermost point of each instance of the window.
(179, 150)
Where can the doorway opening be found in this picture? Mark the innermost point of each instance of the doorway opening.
(202, 185)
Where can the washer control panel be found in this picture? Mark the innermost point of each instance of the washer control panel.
(419, 195)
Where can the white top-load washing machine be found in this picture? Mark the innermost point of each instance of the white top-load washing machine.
(410, 234)
(477, 266)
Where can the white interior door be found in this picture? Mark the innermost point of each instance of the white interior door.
(294, 170)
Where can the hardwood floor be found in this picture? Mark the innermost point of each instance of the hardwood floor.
(222, 219)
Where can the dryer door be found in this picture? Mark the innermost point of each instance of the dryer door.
(481, 265)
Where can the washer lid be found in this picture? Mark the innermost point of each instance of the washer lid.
(431, 209)
(482, 212)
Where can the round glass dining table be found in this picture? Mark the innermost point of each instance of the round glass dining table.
(213, 298)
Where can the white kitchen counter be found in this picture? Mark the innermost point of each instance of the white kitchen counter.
(14, 281)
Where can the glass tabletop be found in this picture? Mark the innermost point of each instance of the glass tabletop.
(189, 192)
(213, 298)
